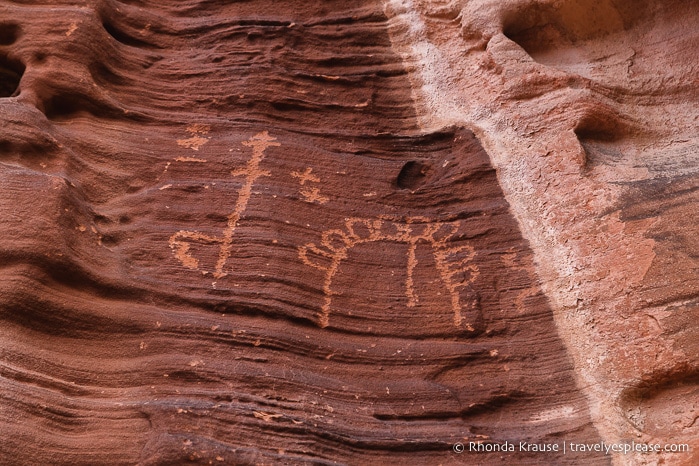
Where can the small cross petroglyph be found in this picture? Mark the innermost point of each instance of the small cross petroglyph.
(197, 139)
(310, 194)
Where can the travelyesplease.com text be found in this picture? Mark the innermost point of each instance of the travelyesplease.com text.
(565, 447)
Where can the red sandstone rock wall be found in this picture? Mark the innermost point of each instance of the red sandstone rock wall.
(265, 233)
(589, 113)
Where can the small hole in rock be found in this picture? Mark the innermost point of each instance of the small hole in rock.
(8, 33)
(60, 107)
(111, 239)
(412, 175)
(120, 35)
(601, 126)
(11, 72)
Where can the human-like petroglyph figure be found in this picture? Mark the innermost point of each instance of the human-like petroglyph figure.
(310, 194)
(197, 137)
(450, 261)
(181, 241)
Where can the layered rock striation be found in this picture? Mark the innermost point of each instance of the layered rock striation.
(588, 111)
(274, 233)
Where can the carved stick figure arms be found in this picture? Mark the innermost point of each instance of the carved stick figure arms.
(449, 261)
(181, 241)
(453, 263)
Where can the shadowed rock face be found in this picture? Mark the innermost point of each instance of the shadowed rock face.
(589, 112)
(227, 241)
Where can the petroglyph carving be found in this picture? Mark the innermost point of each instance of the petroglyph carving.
(450, 261)
(306, 176)
(189, 159)
(181, 241)
(310, 194)
(511, 262)
(197, 139)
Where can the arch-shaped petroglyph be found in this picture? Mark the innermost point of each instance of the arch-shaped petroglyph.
(181, 241)
(450, 261)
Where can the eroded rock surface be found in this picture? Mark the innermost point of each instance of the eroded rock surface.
(588, 110)
(264, 232)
